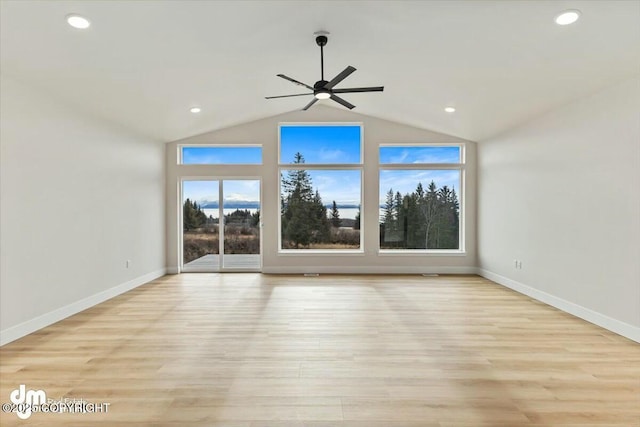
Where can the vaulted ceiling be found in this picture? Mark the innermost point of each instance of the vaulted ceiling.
(143, 64)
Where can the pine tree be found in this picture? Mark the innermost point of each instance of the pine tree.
(321, 227)
(427, 219)
(255, 218)
(389, 210)
(335, 215)
(400, 218)
(304, 217)
(193, 216)
(298, 230)
(188, 216)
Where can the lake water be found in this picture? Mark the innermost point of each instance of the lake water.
(346, 213)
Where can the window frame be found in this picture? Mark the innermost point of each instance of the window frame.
(283, 167)
(180, 159)
(423, 145)
(320, 124)
(461, 167)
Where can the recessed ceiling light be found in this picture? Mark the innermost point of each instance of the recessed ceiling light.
(450, 109)
(195, 109)
(568, 17)
(77, 21)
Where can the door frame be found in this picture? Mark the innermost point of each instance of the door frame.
(221, 224)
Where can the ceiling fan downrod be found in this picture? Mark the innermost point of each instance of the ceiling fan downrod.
(321, 41)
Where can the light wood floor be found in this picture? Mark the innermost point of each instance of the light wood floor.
(251, 350)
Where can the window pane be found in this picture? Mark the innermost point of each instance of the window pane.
(424, 154)
(320, 144)
(419, 209)
(221, 155)
(320, 209)
(200, 218)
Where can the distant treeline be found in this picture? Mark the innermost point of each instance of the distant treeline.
(421, 220)
(194, 217)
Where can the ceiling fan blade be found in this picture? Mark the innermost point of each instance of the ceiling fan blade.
(340, 77)
(359, 89)
(343, 102)
(287, 96)
(295, 81)
(313, 101)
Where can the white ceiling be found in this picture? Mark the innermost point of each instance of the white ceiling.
(142, 64)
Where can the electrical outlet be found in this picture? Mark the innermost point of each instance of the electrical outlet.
(519, 265)
(128, 263)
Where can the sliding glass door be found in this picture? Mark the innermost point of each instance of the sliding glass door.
(221, 228)
(241, 234)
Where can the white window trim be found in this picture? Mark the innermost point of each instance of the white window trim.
(429, 166)
(319, 124)
(322, 166)
(360, 250)
(219, 179)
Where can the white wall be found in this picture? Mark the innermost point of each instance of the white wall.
(562, 194)
(376, 131)
(78, 198)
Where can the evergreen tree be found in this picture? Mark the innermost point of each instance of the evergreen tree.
(335, 215)
(427, 219)
(239, 216)
(389, 210)
(255, 218)
(303, 218)
(188, 216)
(298, 229)
(448, 225)
(193, 216)
(320, 223)
(430, 208)
(356, 223)
(400, 218)
(298, 182)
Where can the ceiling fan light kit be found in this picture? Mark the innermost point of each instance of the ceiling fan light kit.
(323, 89)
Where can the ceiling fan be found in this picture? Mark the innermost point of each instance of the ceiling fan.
(323, 89)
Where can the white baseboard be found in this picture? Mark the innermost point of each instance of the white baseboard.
(613, 325)
(25, 328)
(368, 270)
(173, 270)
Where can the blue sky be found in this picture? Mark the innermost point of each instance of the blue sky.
(221, 155)
(342, 186)
(234, 190)
(406, 181)
(320, 144)
(411, 155)
(326, 145)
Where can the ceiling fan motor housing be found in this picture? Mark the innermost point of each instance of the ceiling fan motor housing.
(321, 40)
(319, 91)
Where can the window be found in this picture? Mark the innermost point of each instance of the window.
(419, 154)
(218, 155)
(321, 144)
(320, 187)
(420, 197)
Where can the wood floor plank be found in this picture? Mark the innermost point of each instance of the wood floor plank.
(252, 350)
